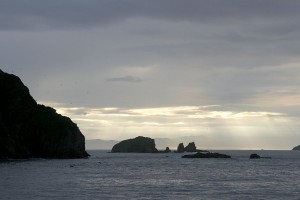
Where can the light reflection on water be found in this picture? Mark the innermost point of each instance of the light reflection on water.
(154, 176)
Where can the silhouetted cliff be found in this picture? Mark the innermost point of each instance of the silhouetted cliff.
(31, 130)
(137, 145)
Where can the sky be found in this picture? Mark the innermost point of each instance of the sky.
(224, 72)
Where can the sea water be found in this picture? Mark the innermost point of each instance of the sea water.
(153, 176)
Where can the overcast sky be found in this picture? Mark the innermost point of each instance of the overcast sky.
(224, 70)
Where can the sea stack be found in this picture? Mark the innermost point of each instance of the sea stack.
(28, 129)
(180, 148)
(191, 147)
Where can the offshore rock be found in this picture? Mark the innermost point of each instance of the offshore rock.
(296, 148)
(191, 147)
(180, 148)
(254, 156)
(31, 130)
(137, 145)
(167, 150)
(206, 155)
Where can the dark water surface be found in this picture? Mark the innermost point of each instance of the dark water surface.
(154, 176)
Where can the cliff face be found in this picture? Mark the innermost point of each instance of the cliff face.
(137, 145)
(31, 130)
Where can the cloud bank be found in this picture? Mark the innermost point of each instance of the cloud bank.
(211, 126)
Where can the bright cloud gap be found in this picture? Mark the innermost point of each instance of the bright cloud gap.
(211, 126)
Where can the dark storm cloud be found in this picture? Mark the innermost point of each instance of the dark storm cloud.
(265, 32)
(209, 50)
(65, 14)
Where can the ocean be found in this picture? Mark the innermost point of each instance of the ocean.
(153, 176)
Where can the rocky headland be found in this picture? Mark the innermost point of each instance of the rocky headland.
(29, 130)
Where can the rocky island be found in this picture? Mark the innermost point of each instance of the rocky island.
(137, 145)
(28, 129)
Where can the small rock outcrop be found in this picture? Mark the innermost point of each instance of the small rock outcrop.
(191, 147)
(206, 155)
(296, 148)
(137, 145)
(28, 129)
(254, 156)
(167, 150)
(180, 148)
